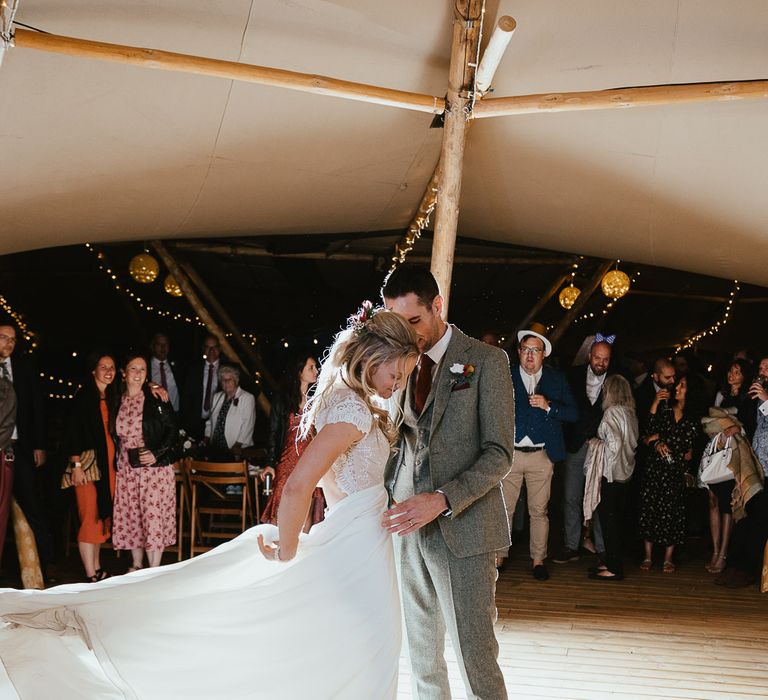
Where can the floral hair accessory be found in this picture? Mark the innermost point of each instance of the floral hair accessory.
(365, 313)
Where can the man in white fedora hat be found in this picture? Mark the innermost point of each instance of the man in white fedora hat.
(543, 400)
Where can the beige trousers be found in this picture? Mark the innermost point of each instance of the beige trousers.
(536, 469)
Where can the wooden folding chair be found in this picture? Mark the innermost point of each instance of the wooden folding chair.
(212, 478)
(180, 470)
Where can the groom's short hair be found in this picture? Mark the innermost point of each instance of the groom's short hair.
(408, 278)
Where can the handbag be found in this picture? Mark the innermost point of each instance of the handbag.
(89, 467)
(714, 463)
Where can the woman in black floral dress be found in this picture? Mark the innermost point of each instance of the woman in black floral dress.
(670, 434)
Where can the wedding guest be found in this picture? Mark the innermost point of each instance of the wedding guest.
(586, 382)
(201, 385)
(759, 394)
(7, 424)
(229, 428)
(613, 457)
(543, 401)
(285, 446)
(734, 394)
(163, 371)
(670, 434)
(144, 517)
(93, 412)
(747, 500)
(28, 443)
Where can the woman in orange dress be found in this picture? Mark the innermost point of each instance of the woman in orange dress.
(95, 405)
(284, 448)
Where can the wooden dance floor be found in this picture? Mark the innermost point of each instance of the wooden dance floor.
(652, 635)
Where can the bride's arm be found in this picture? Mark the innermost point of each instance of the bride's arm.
(332, 441)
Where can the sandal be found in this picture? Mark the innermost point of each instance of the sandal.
(101, 574)
(646, 565)
(719, 567)
(668, 567)
(131, 569)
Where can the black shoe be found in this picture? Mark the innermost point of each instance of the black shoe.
(597, 569)
(51, 574)
(540, 572)
(613, 577)
(566, 555)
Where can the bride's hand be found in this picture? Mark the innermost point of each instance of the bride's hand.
(414, 512)
(273, 551)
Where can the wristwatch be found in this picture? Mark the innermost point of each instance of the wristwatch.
(77, 464)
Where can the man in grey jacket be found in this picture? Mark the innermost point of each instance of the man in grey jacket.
(447, 506)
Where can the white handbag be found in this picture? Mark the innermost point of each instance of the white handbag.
(714, 463)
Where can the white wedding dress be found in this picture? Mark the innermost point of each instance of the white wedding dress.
(230, 624)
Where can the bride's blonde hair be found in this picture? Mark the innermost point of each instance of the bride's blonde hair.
(373, 337)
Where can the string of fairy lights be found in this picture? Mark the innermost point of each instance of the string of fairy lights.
(104, 266)
(406, 244)
(26, 333)
(609, 306)
(717, 326)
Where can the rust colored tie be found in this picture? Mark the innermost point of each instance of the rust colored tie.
(163, 377)
(423, 383)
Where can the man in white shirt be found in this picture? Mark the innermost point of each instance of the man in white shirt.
(586, 383)
(162, 369)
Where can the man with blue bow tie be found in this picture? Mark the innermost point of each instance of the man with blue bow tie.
(586, 383)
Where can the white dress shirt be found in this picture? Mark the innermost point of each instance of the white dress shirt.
(594, 385)
(170, 380)
(437, 351)
(530, 381)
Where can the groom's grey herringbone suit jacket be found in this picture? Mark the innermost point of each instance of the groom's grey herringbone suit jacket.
(462, 443)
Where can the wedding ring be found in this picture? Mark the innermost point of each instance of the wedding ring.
(410, 523)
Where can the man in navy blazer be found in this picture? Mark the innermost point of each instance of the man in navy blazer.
(543, 400)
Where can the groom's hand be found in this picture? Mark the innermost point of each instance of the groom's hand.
(414, 512)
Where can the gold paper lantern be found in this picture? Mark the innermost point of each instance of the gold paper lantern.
(615, 284)
(144, 268)
(568, 296)
(172, 286)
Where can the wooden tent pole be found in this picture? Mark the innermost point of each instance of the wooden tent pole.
(542, 302)
(584, 297)
(253, 355)
(622, 98)
(466, 35)
(189, 292)
(500, 39)
(166, 60)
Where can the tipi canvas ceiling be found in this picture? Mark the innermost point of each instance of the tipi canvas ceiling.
(96, 151)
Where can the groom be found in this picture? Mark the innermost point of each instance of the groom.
(456, 447)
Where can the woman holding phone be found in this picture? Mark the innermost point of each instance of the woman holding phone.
(145, 427)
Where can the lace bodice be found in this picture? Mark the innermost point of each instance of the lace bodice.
(363, 464)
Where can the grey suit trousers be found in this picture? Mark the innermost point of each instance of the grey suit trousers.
(463, 589)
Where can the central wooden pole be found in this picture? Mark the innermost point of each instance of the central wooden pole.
(466, 35)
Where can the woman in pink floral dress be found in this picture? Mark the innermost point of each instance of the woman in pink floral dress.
(144, 518)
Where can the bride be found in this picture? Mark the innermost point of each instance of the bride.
(273, 614)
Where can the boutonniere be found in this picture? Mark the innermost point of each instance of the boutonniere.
(462, 376)
(236, 401)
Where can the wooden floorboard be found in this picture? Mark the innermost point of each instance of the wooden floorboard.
(651, 636)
